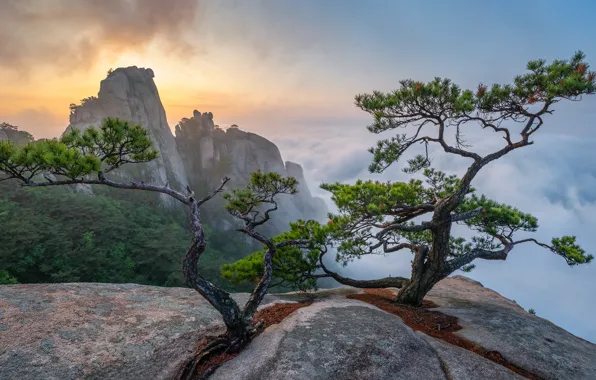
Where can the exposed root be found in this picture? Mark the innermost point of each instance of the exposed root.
(208, 357)
(212, 352)
(202, 358)
(435, 324)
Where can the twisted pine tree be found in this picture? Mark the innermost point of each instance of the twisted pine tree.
(88, 157)
(417, 216)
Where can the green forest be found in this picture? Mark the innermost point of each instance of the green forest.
(61, 235)
(58, 235)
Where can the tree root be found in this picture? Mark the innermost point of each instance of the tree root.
(212, 349)
(216, 350)
(208, 351)
(199, 367)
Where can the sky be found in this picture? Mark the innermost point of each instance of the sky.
(289, 71)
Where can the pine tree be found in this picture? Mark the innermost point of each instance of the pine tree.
(382, 218)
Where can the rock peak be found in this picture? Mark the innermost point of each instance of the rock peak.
(211, 153)
(200, 154)
(132, 70)
(130, 93)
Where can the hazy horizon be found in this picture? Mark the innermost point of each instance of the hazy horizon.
(289, 71)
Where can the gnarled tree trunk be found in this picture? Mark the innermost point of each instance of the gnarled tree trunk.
(239, 327)
(413, 293)
(428, 265)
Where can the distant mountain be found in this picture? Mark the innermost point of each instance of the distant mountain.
(131, 94)
(200, 153)
(12, 133)
(100, 234)
(210, 153)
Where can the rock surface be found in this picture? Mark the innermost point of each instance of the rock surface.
(336, 339)
(528, 341)
(107, 331)
(461, 364)
(100, 331)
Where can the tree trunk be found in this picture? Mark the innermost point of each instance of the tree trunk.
(218, 298)
(413, 293)
(387, 282)
(221, 300)
(261, 289)
(424, 277)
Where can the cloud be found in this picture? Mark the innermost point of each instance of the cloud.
(575, 183)
(73, 34)
(535, 277)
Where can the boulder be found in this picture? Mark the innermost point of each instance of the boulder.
(336, 339)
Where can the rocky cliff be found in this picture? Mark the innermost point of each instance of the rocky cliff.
(200, 154)
(210, 153)
(131, 94)
(126, 331)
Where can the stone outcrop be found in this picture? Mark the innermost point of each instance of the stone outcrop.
(498, 324)
(10, 132)
(101, 331)
(200, 154)
(131, 94)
